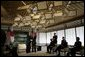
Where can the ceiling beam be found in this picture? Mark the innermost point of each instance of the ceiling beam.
(72, 19)
(3, 11)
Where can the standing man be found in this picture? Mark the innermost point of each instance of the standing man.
(34, 42)
(28, 46)
(2, 42)
(55, 38)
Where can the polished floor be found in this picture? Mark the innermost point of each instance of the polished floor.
(39, 53)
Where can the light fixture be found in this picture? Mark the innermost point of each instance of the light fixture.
(35, 10)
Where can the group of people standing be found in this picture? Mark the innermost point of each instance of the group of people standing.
(8, 38)
(31, 42)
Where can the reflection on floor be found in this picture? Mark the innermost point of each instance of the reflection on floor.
(39, 53)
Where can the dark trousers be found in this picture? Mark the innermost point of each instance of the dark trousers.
(28, 48)
(59, 48)
(73, 51)
(1, 51)
(49, 48)
(33, 48)
(13, 51)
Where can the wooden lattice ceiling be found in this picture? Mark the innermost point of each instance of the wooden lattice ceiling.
(76, 8)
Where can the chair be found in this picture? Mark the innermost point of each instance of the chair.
(65, 50)
(81, 52)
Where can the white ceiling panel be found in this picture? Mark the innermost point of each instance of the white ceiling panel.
(42, 5)
(57, 3)
(48, 16)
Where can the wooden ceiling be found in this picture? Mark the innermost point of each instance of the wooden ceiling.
(9, 10)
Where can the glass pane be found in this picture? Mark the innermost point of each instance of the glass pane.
(48, 37)
(70, 36)
(42, 38)
(60, 34)
(80, 34)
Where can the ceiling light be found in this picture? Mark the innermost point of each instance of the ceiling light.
(35, 10)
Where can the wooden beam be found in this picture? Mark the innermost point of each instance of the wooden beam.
(73, 19)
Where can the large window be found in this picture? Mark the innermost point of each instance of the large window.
(70, 36)
(60, 34)
(48, 37)
(42, 37)
(80, 34)
(37, 38)
(52, 33)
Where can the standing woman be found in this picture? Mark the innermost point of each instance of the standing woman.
(10, 41)
(10, 36)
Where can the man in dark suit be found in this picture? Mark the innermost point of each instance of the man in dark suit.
(63, 45)
(55, 38)
(77, 46)
(50, 46)
(28, 41)
(2, 42)
(34, 43)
